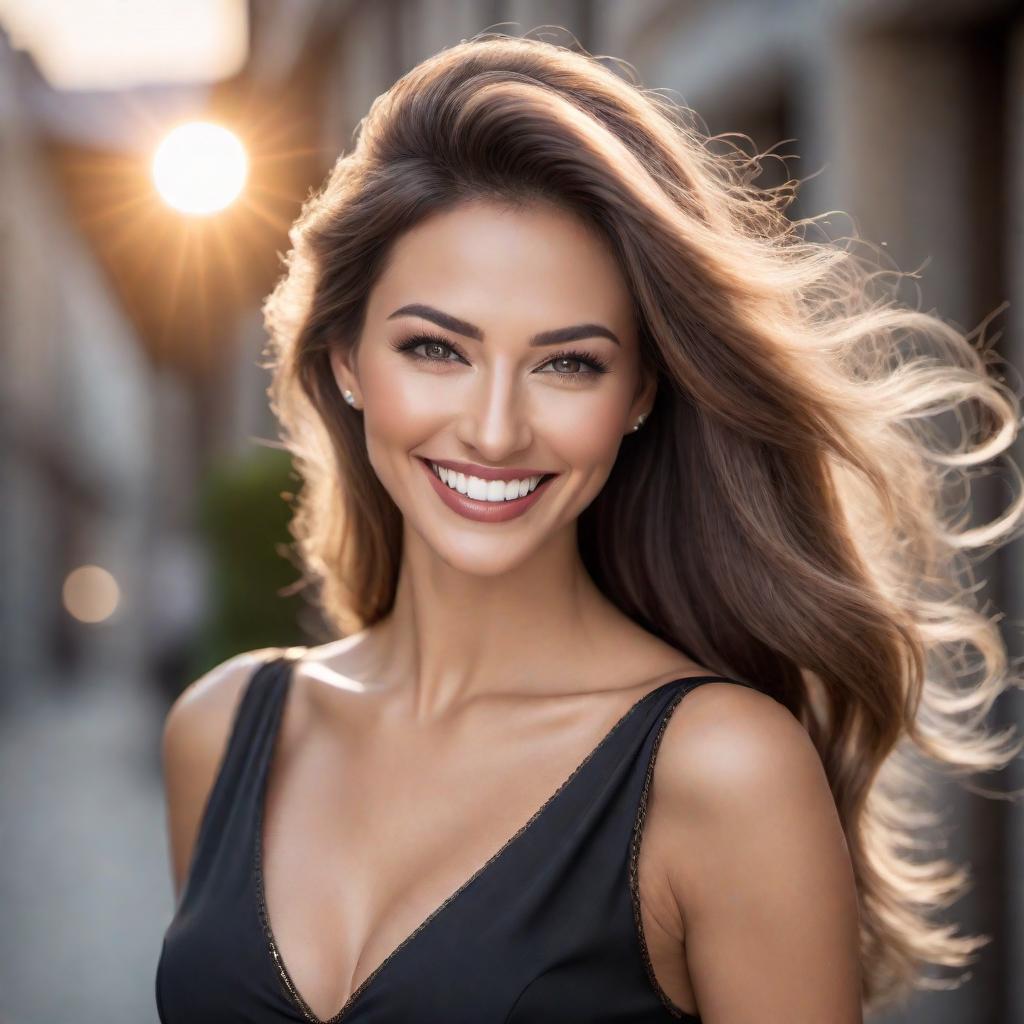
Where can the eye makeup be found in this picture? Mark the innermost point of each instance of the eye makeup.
(594, 363)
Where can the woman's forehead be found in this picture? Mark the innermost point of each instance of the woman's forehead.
(484, 260)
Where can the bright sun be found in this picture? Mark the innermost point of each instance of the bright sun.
(200, 168)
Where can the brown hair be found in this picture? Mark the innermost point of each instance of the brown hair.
(793, 528)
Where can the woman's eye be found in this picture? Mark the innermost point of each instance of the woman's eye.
(436, 350)
(575, 366)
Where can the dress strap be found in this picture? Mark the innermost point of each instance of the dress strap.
(656, 724)
(251, 726)
(232, 795)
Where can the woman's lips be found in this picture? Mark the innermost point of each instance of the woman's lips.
(483, 511)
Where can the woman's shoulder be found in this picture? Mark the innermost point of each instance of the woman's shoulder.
(205, 707)
(194, 739)
(737, 776)
(752, 844)
(729, 738)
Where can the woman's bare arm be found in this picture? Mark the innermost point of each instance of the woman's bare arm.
(760, 870)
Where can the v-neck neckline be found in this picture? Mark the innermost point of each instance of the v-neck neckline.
(274, 951)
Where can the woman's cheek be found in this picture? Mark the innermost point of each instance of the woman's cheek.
(588, 427)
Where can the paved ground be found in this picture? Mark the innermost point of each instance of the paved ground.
(85, 889)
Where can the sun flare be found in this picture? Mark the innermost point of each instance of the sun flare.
(200, 168)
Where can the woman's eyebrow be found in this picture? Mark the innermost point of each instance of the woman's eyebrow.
(468, 330)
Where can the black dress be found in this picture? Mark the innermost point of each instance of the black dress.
(548, 930)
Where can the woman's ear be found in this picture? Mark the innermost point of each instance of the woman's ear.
(340, 357)
(645, 394)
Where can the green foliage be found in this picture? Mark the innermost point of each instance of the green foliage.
(243, 519)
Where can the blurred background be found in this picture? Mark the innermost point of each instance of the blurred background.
(152, 156)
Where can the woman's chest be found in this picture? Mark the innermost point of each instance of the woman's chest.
(367, 846)
(446, 894)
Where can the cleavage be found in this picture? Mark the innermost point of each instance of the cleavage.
(358, 833)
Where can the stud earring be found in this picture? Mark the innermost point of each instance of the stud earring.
(349, 397)
(639, 423)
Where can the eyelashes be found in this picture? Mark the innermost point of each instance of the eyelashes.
(594, 363)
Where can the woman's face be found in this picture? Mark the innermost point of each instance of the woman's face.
(503, 341)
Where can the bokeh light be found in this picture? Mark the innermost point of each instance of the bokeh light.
(200, 168)
(90, 593)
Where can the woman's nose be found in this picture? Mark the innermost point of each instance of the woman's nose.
(496, 420)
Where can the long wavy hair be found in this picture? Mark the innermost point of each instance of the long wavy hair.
(796, 526)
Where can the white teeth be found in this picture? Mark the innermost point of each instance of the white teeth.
(485, 490)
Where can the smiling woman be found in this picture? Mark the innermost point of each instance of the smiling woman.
(515, 371)
(585, 427)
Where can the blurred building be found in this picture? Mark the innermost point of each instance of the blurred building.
(76, 415)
